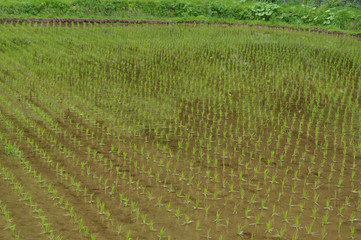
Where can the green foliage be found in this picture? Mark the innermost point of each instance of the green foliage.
(264, 11)
(331, 15)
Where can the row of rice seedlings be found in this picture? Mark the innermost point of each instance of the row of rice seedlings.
(8, 221)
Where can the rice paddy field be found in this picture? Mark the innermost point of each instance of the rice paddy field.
(178, 132)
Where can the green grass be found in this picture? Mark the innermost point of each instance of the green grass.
(333, 18)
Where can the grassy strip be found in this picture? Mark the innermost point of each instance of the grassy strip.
(341, 18)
